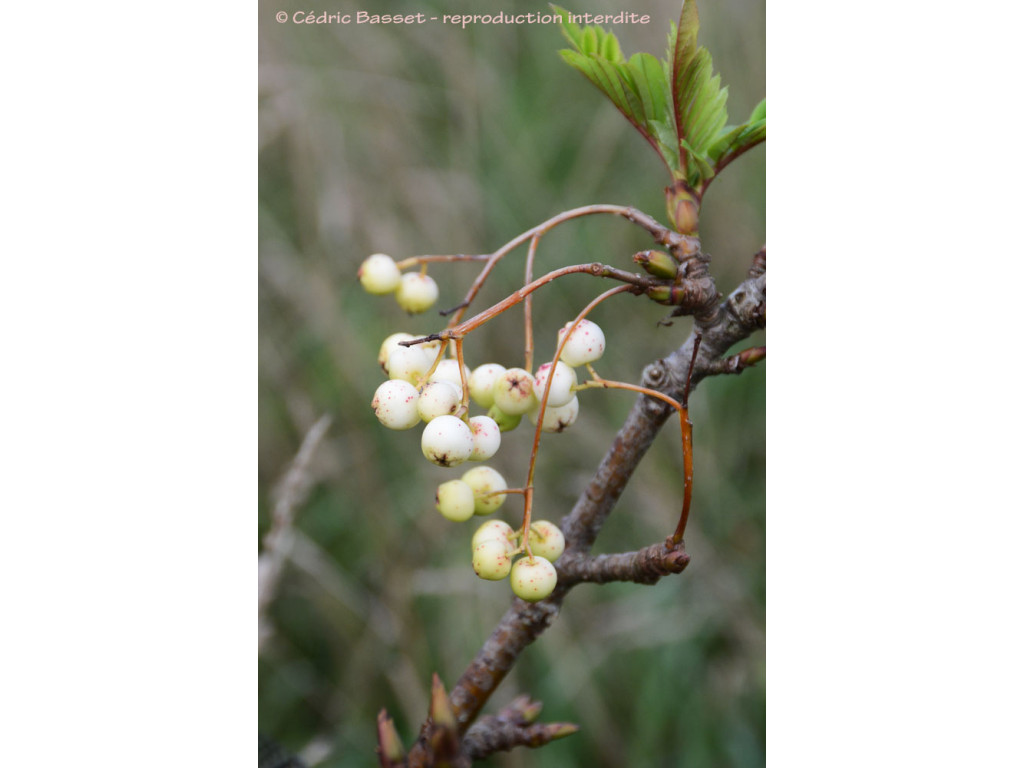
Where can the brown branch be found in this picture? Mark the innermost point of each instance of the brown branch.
(645, 566)
(512, 727)
(736, 363)
(489, 736)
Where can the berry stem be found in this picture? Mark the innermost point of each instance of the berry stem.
(430, 371)
(528, 304)
(528, 507)
(528, 502)
(685, 244)
(636, 284)
(464, 407)
(412, 261)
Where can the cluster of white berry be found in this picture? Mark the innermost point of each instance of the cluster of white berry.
(422, 387)
(532, 577)
(415, 292)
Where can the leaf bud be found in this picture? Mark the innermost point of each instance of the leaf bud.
(657, 263)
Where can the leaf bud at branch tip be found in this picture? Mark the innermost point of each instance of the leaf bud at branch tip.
(561, 730)
(683, 207)
(387, 737)
(657, 263)
(440, 708)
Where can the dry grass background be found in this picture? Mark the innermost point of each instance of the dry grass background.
(435, 139)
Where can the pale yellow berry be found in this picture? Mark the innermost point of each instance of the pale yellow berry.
(513, 392)
(494, 529)
(379, 274)
(416, 292)
(491, 559)
(533, 578)
(546, 540)
(483, 481)
(454, 499)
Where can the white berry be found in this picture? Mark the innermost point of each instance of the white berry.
(562, 382)
(438, 398)
(379, 274)
(409, 364)
(448, 370)
(492, 559)
(447, 441)
(484, 480)
(416, 293)
(389, 345)
(454, 500)
(486, 437)
(533, 578)
(558, 419)
(585, 344)
(494, 529)
(513, 391)
(394, 402)
(481, 383)
(546, 540)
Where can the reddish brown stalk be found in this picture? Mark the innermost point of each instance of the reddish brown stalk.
(661, 234)
(464, 406)
(595, 268)
(412, 261)
(676, 538)
(433, 367)
(528, 303)
(544, 404)
(638, 284)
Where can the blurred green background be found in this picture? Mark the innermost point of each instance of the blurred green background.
(434, 139)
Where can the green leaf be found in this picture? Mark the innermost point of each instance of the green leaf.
(758, 113)
(677, 104)
(733, 143)
(651, 85)
(605, 76)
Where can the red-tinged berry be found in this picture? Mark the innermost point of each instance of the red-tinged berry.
(585, 344)
(486, 438)
(394, 403)
(513, 391)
